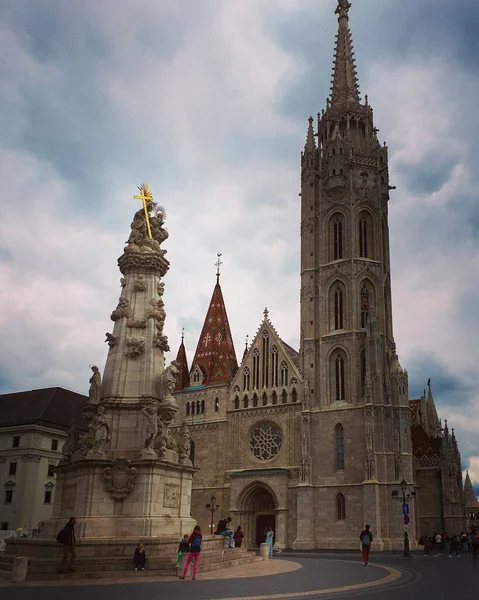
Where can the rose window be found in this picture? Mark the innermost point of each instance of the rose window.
(265, 442)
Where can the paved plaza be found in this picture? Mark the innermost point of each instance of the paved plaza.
(290, 576)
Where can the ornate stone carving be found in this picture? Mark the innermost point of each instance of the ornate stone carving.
(30, 457)
(119, 478)
(160, 288)
(165, 439)
(150, 411)
(370, 463)
(134, 347)
(9, 485)
(147, 262)
(161, 342)
(306, 396)
(266, 441)
(99, 434)
(122, 282)
(140, 284)
(71, 444)
(167, 382)
(122, 310)
(136, 323)
(157, 311)
(184, 446)
(171, 497)
(95, 383)
(110, 339)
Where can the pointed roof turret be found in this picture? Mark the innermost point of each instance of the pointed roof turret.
(432, 417)
(345, 87)
(469, 494)
(182, 380)
(215, 354)
(310, 145)
(245, 348)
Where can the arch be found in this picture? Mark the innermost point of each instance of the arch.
(294, 395)
(274, 397)
(236, 403)
(284, 373)
(338, 375)
(340, 507)
(193, 408)
(284, 397)
(188, 408)
(337, 305)
(246, 379)
(337, 236)
(265, 360)
(265, 399)
(245, 402)
(217, 404)
(339, 446)
(365, 234)
(367, 298)
(198, 407)
(255, 399)
(251, 489)
(192, 451)
(203, 406)
(255, 369)
(274, 366)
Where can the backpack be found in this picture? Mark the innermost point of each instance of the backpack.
(366, 539)
(61, 537)
(196, 543)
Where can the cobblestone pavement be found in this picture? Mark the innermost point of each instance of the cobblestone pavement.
(293, 576)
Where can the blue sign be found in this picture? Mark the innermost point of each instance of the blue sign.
(405, 509)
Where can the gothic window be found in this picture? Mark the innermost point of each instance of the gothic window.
(364, 306)
(363, 238)
(265, 441)
(196, 377)
(217, 404)
(340, 507)
(202, 407)
(264, 360)
(255, 369)
(284, 397)
(245, 402)
(188, 408)
(193, 408)
(274, 397)
(362, 369)
(198, 407)
(246, 376)
(339, 377)
(265, 399)
(338, 308)
(274, 365)
(337, 239)
(236, 402)
(294, 395)
(284, 373)
(339, 434)
(255, 400)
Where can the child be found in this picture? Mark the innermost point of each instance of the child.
(238, 537)
(140, 557)
(183, 548)
(194, 552)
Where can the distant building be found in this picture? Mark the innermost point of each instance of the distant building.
(472, 505)
(33, 427)
(437, 470)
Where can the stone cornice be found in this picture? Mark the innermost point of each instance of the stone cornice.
(143, 262)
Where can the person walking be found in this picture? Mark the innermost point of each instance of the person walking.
(223, 529)
(238, 537)
(366, 538)
(194, 552)
(453, 546)
(140, 557)
(66, 537)
(269, 540)
(427, 545)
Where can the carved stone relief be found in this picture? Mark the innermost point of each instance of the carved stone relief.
(135, 347)
(171, 496)
(110, 339)
(140, 284)
(122, 310)
(119, 478)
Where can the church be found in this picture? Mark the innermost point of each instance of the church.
(313, 442)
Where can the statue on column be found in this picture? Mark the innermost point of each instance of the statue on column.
(95, 383)
(99, 429)
(168, 381)
(184, 447)
(152, 429)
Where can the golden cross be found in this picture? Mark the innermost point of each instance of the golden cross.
(146, 196)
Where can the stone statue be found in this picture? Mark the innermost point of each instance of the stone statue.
(161, 341)
(122, 310)
(111, 339)
(139, 229)
(95, 383)
(160, 288)
(140, 285)
(135, 347)
(157, 311)
(99, 429)
(168, 380)
(71, 444)
(152, 429)
(184, 445)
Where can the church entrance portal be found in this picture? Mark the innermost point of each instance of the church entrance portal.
(256, 515)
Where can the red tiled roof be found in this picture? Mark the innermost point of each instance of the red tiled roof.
(183, 379)
(423, 444)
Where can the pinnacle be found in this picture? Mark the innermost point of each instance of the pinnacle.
(310, 144)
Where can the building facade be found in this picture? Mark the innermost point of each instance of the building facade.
(314, 442)
(33, 428)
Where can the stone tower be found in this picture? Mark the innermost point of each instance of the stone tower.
(356, 418)
(128, 476)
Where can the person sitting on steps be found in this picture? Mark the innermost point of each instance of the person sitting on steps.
(223, 529)
(140, 557)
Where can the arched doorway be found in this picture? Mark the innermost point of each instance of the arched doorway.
(258, 512)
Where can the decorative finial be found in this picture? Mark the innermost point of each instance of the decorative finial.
(218, 264)
(266, 313)
(246, 342)
(182, 334)
(343, 8)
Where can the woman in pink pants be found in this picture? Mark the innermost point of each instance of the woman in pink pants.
(195, 549)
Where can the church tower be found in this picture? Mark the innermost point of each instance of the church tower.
(356, 422)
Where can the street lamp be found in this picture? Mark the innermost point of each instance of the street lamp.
(405, 497)
(212, 507)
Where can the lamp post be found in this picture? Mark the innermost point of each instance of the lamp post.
(402, 495)
(212, 507)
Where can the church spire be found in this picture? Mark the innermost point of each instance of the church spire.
(215, 354)
(345, 87)
(310, 145)
(182, 381)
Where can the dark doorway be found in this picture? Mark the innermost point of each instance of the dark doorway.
(262, 523)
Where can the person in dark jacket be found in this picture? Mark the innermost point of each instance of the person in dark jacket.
(183, 548)
(140, 557)
(366, 538)
(238, 537)
(224, 529)
(66, 537)
(194, 552)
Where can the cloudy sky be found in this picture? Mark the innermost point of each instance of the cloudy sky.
(209, 101)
